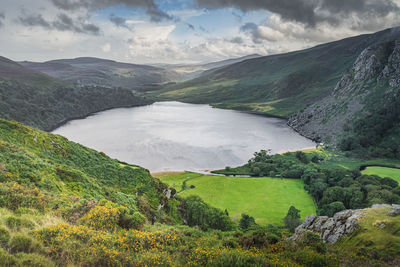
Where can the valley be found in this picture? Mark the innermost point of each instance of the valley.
(291, 158)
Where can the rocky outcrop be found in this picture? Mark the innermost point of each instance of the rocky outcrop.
(341, 224)
(374, 74)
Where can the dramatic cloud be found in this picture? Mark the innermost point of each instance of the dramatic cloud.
(312, 12)
(150, 6)
(62, 23)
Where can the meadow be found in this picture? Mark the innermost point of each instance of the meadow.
(383, 172)
(266, 199)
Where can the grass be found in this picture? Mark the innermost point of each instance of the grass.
(383, 172)
(377, 231)
(266, 199)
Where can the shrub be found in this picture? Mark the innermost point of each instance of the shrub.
(7, 259)
(14, 196)
(246, 222)
(14, 223)
(102, 218)
(34, 260)
(129, 221)
(22, 243)
(292, 219)
(4, 236)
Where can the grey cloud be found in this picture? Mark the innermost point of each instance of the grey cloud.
(310, 12)
(190, 26)
(237, 17)
(203, 29)
(34, 20)
(62, 23)
(251, 29)
(119, 22)
(149, 5)
(2, 17)
(235, 40)
(157, 15)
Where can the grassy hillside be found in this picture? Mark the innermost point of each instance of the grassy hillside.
(266, 199)
(38, 100)
(279, 84)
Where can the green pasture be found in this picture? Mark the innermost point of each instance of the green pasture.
(383, 172)
(266, 199)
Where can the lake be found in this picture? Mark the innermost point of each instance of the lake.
(179, 136)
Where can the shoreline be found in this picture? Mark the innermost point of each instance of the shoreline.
(58, 125)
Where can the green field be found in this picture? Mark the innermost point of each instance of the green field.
(383, 172)
(266, 199)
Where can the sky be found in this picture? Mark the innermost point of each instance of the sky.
(181, 31)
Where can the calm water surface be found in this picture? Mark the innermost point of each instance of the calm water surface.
(178, 136)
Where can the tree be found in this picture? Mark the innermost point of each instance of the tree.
(246, 221)
(300, 155)
(331, 208)
(292, 219)
(184, 186)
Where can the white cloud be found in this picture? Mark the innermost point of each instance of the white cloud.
(106, 48)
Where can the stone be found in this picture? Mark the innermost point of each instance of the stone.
(395, 210)
(309, 220)
(329, 224)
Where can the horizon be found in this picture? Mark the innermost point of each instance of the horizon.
(181, 32)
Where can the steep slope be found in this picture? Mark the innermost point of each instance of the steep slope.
(106, 73)
(369, 88)
(279, 84)
(41, 101)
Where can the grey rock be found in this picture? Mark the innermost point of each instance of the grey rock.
(329, 224)
(309, 220)
(395, 210)
(330, 229)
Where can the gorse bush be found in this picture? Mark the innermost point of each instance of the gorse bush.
(102, 218)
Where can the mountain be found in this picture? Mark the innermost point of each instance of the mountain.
(39, 100)
(279, 85)
(372, 82)
(190, 71)
(106, 73)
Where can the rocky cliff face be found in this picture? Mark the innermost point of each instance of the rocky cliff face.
(341, 224)
(375, 73)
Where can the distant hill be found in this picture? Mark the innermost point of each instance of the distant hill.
(10, 70)
(106, 73)
(280, 84)
(38, 100)
(190, 71)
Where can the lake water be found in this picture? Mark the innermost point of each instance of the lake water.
(179, 136)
